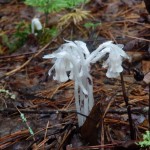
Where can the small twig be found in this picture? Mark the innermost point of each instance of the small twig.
(133, 37)
(7, 141)
(118, 111)
(132, 130)
(133, 110)
(120, 122)
(112, 37)
(46, 130)
(93, 147)
(27, 53)
(50, 127)
(45, 139)
(25, 64)
(29, 60)
(66, 135)
(11, 110)
(149, 106)
(102, 134)
(147, 4)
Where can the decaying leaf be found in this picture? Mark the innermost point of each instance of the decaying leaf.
(145, 66)
(147, 78)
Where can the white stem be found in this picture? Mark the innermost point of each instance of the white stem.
(90, 95)
(82, 105)
(86, 102)
(32, 27)
(85, 97)
(76, 93)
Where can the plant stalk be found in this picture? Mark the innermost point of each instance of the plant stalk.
(46, 19)
(132, 129)
(149, 107)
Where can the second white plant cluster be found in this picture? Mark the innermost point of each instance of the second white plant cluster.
(72, 61)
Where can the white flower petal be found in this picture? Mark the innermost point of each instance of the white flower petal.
(48, 56)
(114, 61)
(110, 74)
(120, 46)
(84, 47)
(36, 24)
(99, 55)
(50, 71)
(60, 71)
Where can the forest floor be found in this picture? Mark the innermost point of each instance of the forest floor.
(49, 106)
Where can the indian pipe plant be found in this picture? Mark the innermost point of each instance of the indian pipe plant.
(75, 58)
(35, 25)
(72, 57)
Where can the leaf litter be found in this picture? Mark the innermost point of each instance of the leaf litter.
(49, 107)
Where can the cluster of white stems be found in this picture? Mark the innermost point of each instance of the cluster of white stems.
(72, 61)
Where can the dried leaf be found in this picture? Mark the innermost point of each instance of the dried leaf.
(145, 66)
(147, 78)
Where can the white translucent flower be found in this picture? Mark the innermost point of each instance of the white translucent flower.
(71, 57)
(99, 52)
(35, 24)
(74, 57)
(115, 59)
(84, 48)
(61, 65)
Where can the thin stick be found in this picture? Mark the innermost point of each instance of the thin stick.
(149, 107)
(142, 110)
(133, 37)
(11, 110)
(29, 60)
(132, 130)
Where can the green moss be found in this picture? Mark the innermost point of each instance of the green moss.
(146, 140)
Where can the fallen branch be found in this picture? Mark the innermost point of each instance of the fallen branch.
(141, 110)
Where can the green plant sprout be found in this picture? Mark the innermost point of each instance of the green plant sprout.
(18, 38)
(46, 35)
(23, 30)
(50, 6)
(24, 119)
(12, 96)
(91, 25)
(73, 3)
(146, 140)
(47, 6)
(53, 31)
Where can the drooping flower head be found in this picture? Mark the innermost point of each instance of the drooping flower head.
(114, 60)
(35, 24)
(75, 58)
(70, 57)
